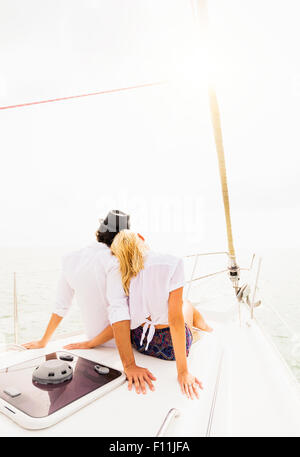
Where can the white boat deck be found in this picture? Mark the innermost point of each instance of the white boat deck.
(256, 394)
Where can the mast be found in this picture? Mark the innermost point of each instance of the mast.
(201, 16)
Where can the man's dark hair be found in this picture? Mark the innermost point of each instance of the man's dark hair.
(106, 238)
(114, 222)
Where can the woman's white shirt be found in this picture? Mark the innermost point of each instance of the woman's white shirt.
(149, 291)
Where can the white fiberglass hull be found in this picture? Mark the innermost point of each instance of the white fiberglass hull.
(248, 391)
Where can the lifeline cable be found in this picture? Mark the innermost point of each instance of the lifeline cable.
(108, 91)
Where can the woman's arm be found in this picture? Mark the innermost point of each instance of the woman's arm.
(136, 375)
(188, 383)
(106, 335)
(121, 330)
(177, 327)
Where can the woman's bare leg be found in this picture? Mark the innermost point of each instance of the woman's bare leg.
(188, 313)
(193, 318)
(199, 322)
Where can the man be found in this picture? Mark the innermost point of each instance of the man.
(90, 274)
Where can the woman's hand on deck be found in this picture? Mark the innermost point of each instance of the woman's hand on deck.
(189, 385)
(139, 376)
(80, 345)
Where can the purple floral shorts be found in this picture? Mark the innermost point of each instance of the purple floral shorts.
(161, 345)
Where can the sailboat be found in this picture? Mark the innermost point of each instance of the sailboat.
(248, 388)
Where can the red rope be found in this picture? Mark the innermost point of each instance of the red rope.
(110, 91)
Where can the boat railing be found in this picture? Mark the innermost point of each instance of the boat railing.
(174, 412)
(292, 333)
(11, 348)
(16, 304)
(171, 415)
(193, 279)
(215, 396)
(16, 314)
(197, 256)
(16, 307)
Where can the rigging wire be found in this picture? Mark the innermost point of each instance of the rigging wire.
(89, 94)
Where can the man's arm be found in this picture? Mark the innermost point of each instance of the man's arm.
(64, 297)
(52, 326)
(106, 335)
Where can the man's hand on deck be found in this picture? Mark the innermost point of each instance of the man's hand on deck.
(139, 376)
(80, 345)
(34, 345)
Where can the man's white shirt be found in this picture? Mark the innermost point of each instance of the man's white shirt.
(92, 275)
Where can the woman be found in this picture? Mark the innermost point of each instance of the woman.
(161, 325)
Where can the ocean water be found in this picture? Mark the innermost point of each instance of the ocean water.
(37, 271)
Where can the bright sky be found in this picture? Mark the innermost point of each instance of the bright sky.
(150, 151)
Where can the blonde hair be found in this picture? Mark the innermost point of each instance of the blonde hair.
(130, 250)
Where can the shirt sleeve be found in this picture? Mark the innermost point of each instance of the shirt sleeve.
(64, 297)
(177, 278)
(118, 309)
